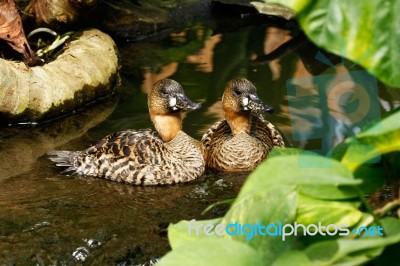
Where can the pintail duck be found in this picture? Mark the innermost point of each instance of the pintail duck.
(144, 157)
(241, 141)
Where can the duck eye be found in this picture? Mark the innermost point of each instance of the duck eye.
(237, 91)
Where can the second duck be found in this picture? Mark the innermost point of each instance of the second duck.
(241, 141)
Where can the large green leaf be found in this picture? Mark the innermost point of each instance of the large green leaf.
(299, 169)
(364, 31)
(381, 138)
(188, 231)
(270, 195)
(308, 240)
(317, 190)
(292, 257)
(391, 227)
(312, 211)
(329, 192)
(349, 251)
(275, 193)
(212, 252)
(277, 204)
(271, 206)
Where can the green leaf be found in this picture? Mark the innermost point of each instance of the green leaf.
(322, 252)
(379, 128)
(381, 138)
(318, 191)
(221, 202)
(348, 251)
(391, 226)
(212, 252)
(312, 211)
(367, 219)
(329, 192)
(270, 195)
(363, 31)
(298, 169)
(293, 257)
(358, 259)
(270, 206)
(188, 231)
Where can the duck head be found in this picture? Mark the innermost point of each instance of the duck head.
(239, 102)
(166, 102)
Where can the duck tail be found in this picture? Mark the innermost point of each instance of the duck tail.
(64, 159)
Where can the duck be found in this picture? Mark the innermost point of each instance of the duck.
(163, 156)
(241, 141)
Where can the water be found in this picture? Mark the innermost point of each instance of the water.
(49, 218)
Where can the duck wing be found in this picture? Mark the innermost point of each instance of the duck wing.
(141, 146)
(133, 148)
(218, 131)
(265, 131)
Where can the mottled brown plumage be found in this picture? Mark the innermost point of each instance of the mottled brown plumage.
(144, 157)
(241, 141)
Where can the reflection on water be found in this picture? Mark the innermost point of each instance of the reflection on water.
(331, 106)
(48, 218)
(19, 149)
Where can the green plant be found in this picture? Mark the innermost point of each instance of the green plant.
(298, 186)
(362, 31)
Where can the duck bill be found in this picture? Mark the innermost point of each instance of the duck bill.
(258, 106)
(184, 103)
(269, 109)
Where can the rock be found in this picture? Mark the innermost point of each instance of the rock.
(85, 71)
(273, 9)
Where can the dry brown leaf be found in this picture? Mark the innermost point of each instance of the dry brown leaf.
(12, 32)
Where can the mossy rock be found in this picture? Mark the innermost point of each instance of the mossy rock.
(86, 70)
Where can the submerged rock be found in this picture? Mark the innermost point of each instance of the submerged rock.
(84, 72)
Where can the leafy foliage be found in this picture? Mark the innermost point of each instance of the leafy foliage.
(363, 31)
(294, 186)
(213, 252)
(381, 138)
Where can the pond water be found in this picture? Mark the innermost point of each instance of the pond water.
(49, 218)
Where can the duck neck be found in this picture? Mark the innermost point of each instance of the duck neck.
(238, 122)
(167, 125)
